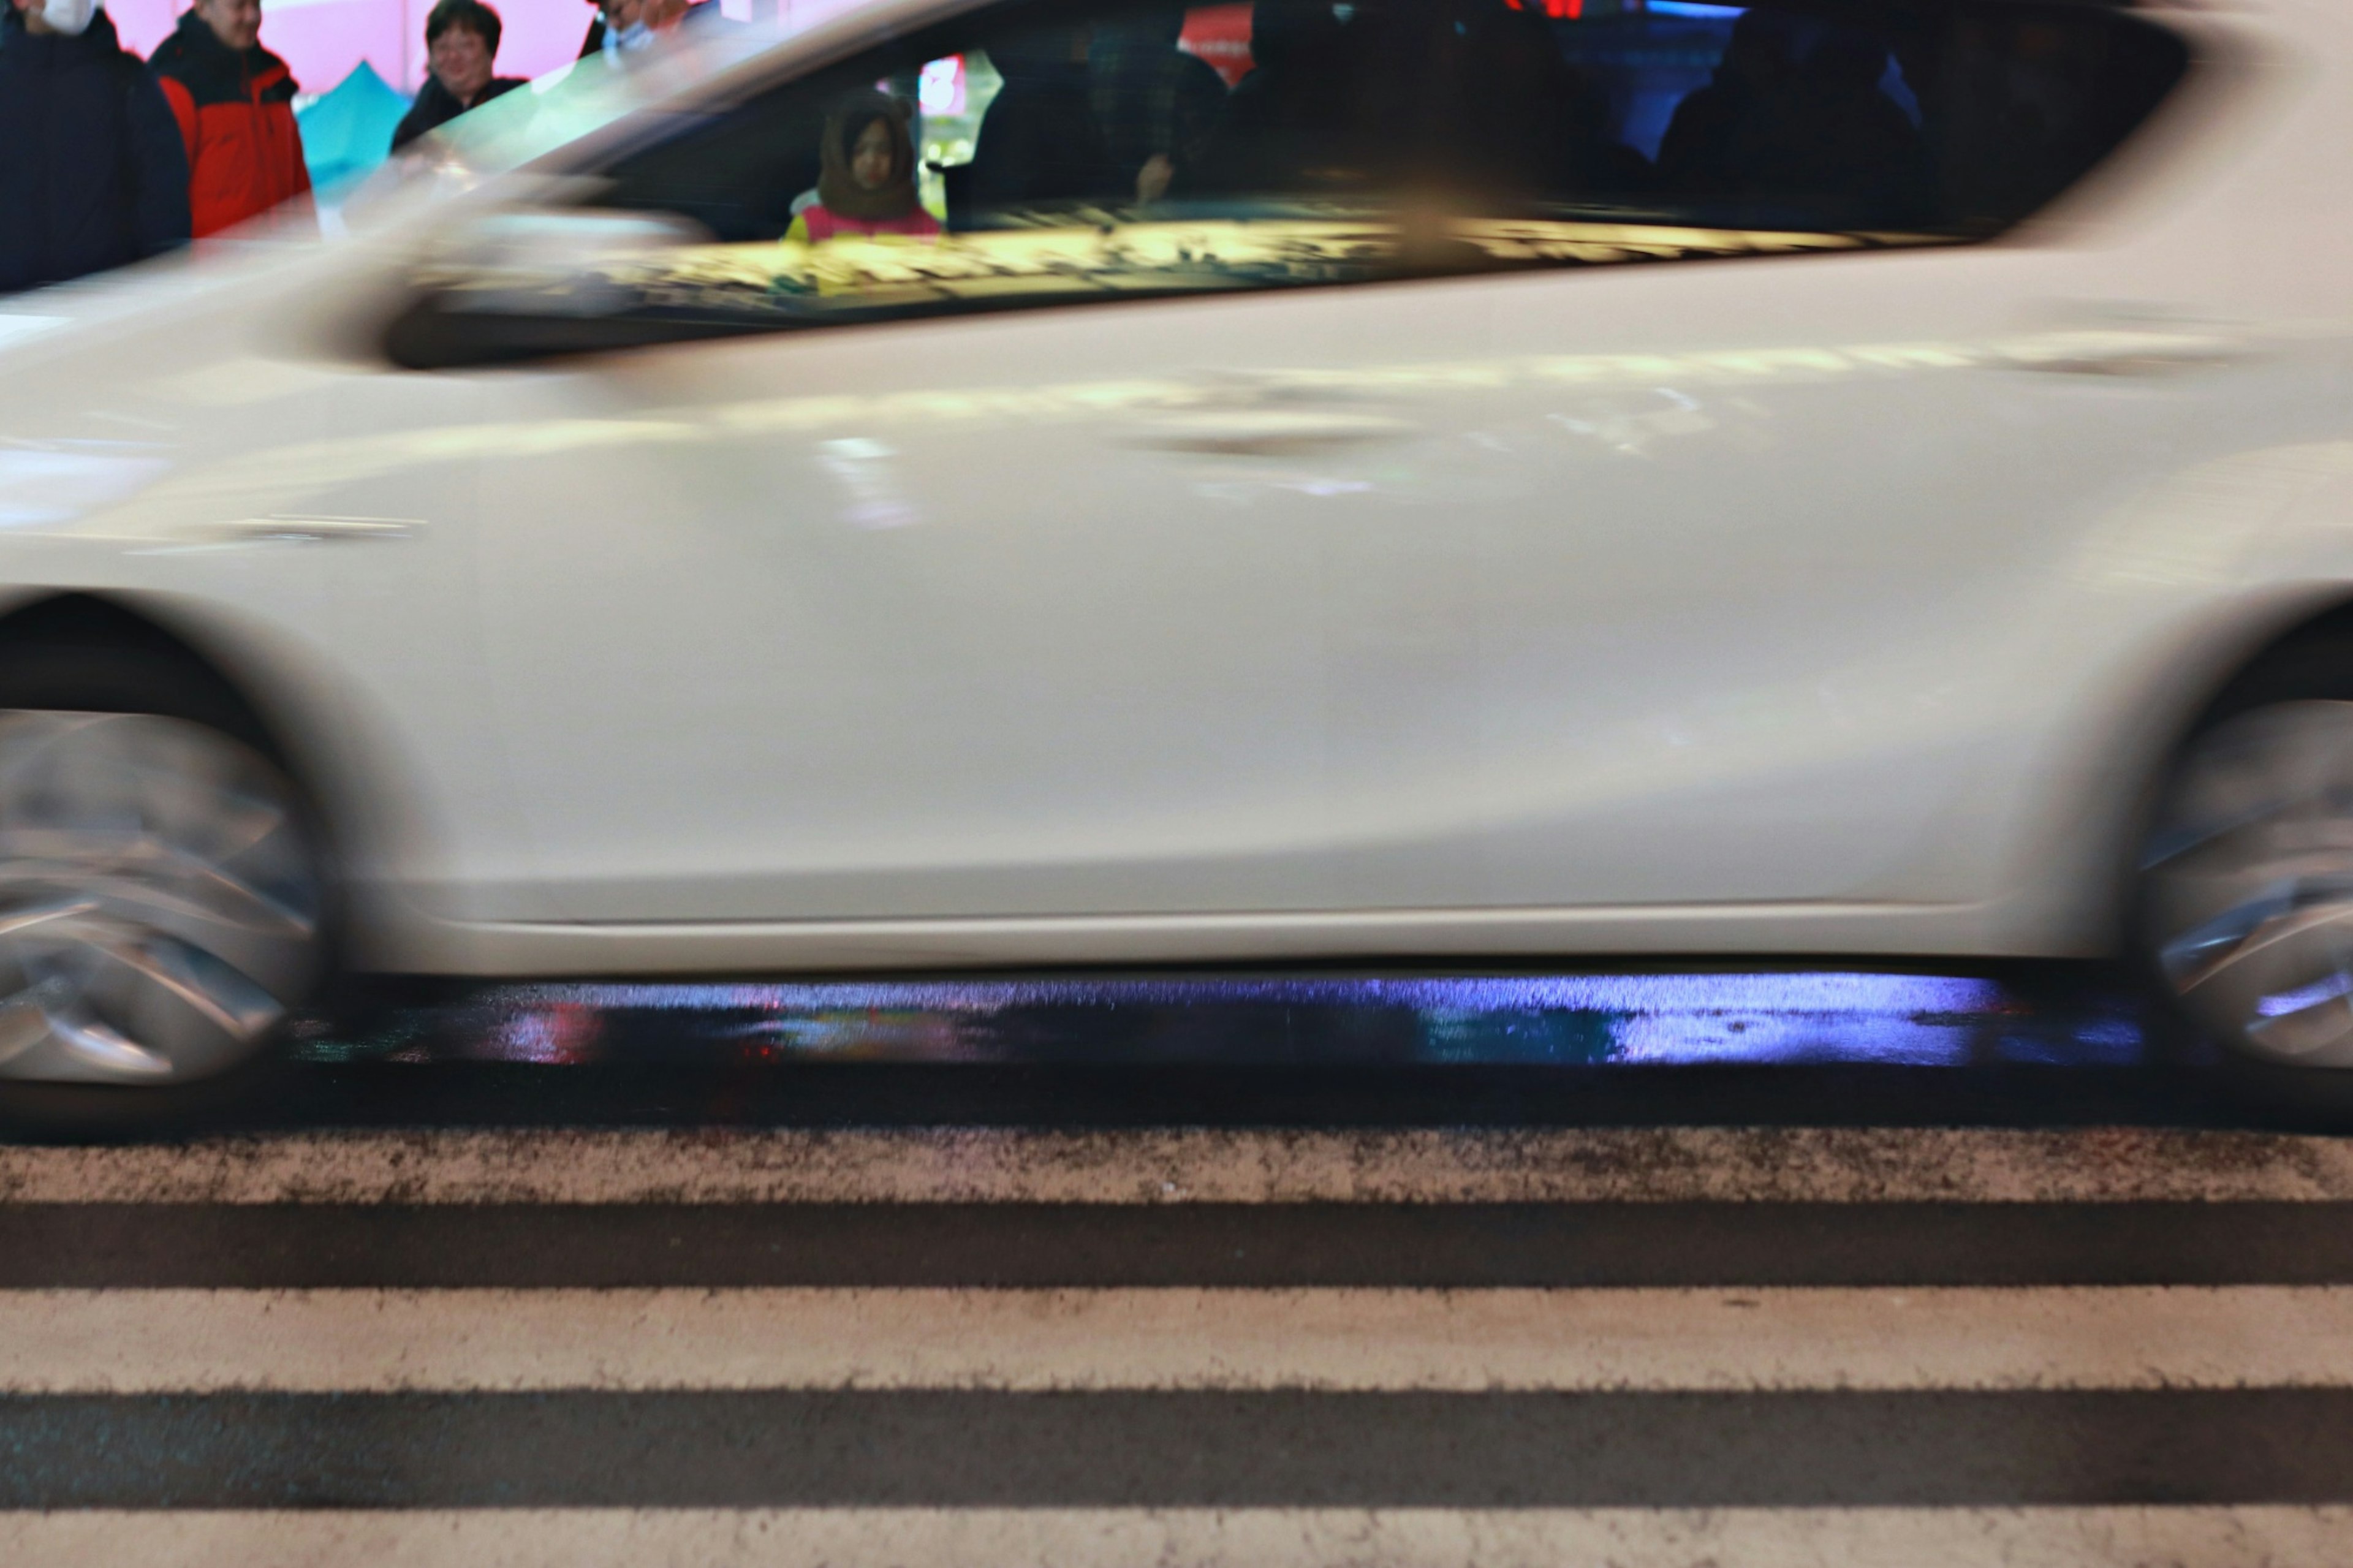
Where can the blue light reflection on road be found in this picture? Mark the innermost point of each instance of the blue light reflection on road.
(1631, 1019)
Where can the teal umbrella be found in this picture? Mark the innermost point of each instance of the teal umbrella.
(346, 132)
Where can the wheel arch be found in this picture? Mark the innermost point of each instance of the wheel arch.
(2331, 620)
(2178, 691)
(314, 727)
(78, 619)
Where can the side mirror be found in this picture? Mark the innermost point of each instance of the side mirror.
(520, 285)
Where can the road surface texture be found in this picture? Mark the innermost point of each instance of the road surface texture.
(2000, 1280)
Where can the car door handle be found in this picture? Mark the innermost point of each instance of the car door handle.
(1268, 432)
(296, 529)
(2130, 353)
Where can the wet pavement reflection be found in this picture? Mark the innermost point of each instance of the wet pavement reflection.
(1656, 1018)
(2013, 1044)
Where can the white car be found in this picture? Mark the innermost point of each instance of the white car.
(1510, 477)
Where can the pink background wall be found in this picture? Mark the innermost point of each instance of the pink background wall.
(324, 39)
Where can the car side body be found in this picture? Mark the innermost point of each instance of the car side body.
(1807, 604)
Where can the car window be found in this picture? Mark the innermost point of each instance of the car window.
(1047, 154)
(600, 92)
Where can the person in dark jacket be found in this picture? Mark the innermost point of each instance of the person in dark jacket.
(1038, 142)
(1291, 124)
(462, 39)
(235, 101)
(1800, 138)
(91, 173)
(1157, 105)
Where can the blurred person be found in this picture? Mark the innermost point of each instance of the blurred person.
(92, 174)
(623, 25)
(1291, 124)
(1842, 143)
(1039, 141)
(234, 103)
(1803, 135)
(461, 40)
(1702, 152)
(866, 178)
(1156, 105)
(1473, 101)
(2011, 109)
(614, 19)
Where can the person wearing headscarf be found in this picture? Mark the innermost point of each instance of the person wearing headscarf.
(866, 176)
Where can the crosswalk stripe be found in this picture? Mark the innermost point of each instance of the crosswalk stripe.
(2241, 1537)
(996, 1165)
(1180, 1449)
(162, 1342)
(1654, 1348)
(1212, 1246)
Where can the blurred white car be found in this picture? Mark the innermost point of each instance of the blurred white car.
(1510, 477)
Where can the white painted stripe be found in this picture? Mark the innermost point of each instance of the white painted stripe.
(2258, 1537)
(151, 1342)
(1003, 1165)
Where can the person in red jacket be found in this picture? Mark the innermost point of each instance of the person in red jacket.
(235, 101)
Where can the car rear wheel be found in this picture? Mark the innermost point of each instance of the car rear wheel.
(2245, 894)
(163, 891)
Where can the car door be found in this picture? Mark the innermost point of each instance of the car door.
(1017, 614)
(1812, 552)
(1429, 589)
(993, 612)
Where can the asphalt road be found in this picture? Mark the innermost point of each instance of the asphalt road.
(1649, 1270)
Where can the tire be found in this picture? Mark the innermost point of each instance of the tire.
(165, 889)
(2242, 902)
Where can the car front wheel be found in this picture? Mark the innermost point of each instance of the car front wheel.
(163, 897)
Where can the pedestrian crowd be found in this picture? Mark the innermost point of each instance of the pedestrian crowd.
(106, 159)
(1466, 96)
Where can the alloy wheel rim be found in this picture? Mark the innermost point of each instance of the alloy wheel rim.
(2248, 883)
(161, 899)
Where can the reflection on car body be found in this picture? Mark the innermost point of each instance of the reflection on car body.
(763, 282)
